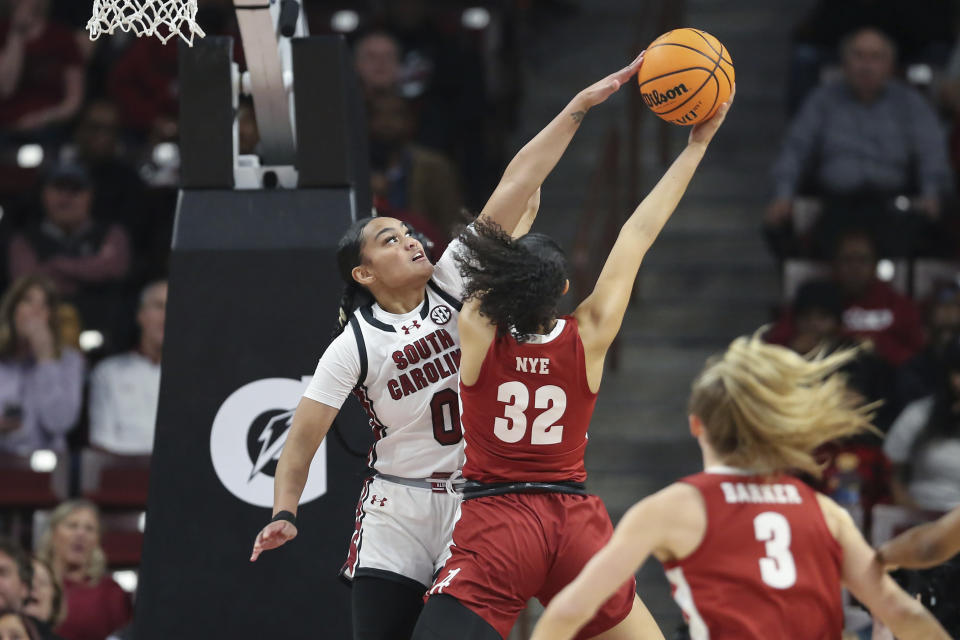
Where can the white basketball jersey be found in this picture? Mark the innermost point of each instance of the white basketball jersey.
(409, 374)
(404, 369)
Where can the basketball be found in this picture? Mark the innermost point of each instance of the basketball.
(686, 75)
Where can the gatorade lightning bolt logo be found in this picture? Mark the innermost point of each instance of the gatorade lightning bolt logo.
(248, 435)
(273, 437)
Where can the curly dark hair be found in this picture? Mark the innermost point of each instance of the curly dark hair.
(518, 282)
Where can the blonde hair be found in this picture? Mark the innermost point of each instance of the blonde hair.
(8, 307)
(97, 564)
(766, 408)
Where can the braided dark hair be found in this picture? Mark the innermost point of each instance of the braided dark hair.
(518, 282)
(349, 256)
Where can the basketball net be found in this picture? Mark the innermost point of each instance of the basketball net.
(161, 18)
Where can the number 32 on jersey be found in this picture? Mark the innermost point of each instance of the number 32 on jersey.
(512, 427)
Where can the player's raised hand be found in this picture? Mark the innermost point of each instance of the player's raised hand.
(703, 132)
(600, 91)
(272, 536)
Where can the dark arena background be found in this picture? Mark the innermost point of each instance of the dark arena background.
(169, 215)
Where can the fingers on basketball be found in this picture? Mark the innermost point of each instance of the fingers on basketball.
(687, 74)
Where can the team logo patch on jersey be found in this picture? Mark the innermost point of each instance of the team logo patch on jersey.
(441, 314)
(248, 435)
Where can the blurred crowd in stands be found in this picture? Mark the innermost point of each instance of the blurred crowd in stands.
(89, 168)
(864, 222)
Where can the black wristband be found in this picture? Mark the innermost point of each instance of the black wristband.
(285, 515)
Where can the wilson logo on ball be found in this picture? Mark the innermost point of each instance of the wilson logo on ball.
(685, 76)
(655, 98)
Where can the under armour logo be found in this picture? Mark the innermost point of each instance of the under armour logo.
(373, 500)
(406, 330)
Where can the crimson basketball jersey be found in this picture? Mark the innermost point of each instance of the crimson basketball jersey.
(526, 417)
(768, 566)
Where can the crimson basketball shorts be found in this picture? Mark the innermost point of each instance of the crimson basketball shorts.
(513, 547)
(400, 531)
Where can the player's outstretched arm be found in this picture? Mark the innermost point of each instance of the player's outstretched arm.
(601, 314)
(926, 545)
(311, 421)
(528, 216)
(865, 577)
(528, 169)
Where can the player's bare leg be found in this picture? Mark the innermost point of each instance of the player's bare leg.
(638, 625)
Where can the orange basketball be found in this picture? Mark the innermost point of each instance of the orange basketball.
(686, 75)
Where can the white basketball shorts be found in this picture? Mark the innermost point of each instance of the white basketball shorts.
(401, 530)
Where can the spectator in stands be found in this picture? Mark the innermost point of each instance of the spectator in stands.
(117, 188)
(15, 575)
(818, 314)
(16, 626)
(447, 77)
(924, 443)
(412, 178)
(87, 259)
(872, 310)
(124, 388)
(922, 31)
(41, 73)
(41, 381)
(144, 85)
(865, 139)
(817, 311)
(918, 376)
(45, 605)
(818, 321)
(376, 57)
(16, 579)
(96, 605)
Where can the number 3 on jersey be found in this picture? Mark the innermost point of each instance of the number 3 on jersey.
(516, 398)
(777, 568)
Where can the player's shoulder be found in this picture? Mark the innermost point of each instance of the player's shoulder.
(670, 503)
(348, 341)
(678, 513)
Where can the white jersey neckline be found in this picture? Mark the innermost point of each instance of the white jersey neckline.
(722, 469)
(392, 318)
(538, 338)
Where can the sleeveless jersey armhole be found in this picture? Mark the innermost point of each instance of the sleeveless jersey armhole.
(707, 531)
(821, 519)
(484, 366)
(581, 356)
